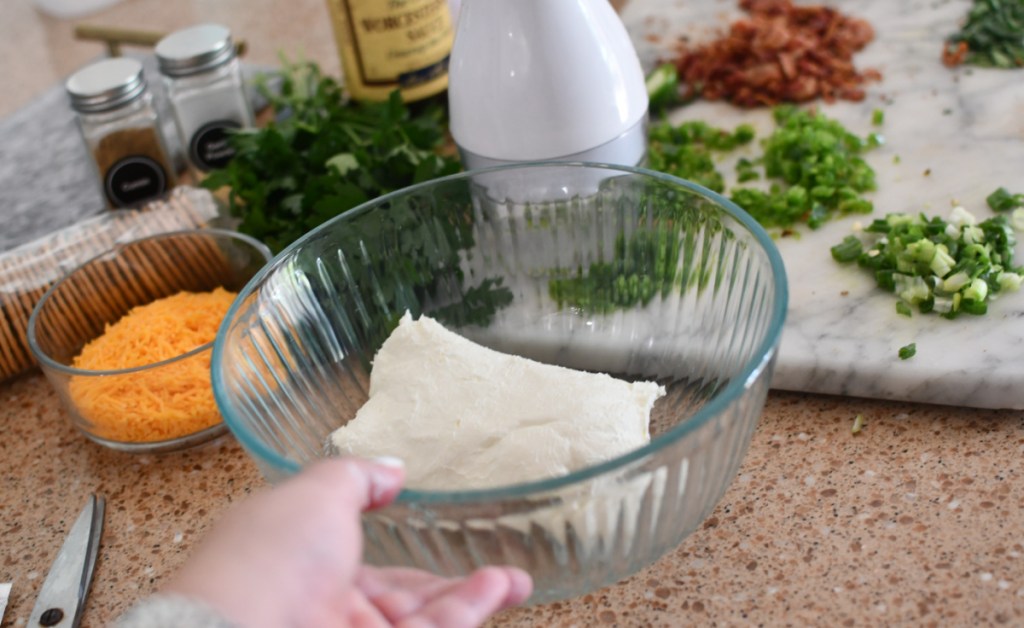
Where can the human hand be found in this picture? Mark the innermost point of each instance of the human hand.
(291, 556)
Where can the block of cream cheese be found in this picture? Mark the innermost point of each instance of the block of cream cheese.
(463, 416)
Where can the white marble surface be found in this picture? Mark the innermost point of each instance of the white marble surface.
(965, 126)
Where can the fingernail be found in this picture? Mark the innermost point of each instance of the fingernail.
(384, 485)
(389, 461)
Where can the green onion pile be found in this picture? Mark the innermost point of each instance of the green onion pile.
(817, 167)
(812, 164)
(992, 36)
(687, 150)
(947, 267)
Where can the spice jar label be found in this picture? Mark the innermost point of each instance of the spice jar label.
(210, 147)
(134, 179)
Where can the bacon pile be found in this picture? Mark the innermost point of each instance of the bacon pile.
(781, 53)
(953, 54)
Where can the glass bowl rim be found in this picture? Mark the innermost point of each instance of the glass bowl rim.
(729, 394)
(116, 250)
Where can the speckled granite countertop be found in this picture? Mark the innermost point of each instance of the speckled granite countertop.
(918, 520)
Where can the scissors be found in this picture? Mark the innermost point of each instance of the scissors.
(62, 596)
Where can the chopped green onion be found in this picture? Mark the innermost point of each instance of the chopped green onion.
(858, 424)
(1009, 281)
(991, 36)
(923, 250)
(896, 220)
(685, 150)
(943, 266)
(973, 234)
(960, 217)
(1002, 200)
(977, 291)
(942, 304)
(877, 117)
(662, 87)
(911, 288)
(903, 309)
(908, 351)
(745, 170)
(1017, 218)
(848, 250)
(977, 308)
(816, 169)
(956, 281)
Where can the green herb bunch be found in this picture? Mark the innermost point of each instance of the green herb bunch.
(323, 155)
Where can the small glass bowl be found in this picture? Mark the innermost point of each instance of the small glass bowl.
(79, 307)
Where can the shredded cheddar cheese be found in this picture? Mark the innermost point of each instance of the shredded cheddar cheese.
(152, 404)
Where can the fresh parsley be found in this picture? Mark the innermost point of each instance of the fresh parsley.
(321, 156)
(324, 154)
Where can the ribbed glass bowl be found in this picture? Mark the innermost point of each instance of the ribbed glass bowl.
(610, 269)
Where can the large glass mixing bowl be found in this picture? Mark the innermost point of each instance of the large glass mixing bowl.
(612, 269)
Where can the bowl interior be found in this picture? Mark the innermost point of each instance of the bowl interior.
(614, 270)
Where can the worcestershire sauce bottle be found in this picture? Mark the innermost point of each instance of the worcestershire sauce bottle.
(394, 44)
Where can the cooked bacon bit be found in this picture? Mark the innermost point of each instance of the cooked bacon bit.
(954, 54)
(781, 53)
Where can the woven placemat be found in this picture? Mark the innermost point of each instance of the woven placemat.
(27, 272)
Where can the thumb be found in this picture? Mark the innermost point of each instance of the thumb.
(364, 484)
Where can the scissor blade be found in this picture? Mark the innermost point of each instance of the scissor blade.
(5, 594)
(62, 596)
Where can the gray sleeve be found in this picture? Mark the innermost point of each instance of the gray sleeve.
(171, 611)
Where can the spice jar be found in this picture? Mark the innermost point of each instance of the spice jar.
(206, 92)
(121, 130)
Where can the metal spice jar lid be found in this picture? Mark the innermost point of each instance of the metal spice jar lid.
(194, 50)
(106, 85)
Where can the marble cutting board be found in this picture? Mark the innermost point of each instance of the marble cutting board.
(958, 135)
